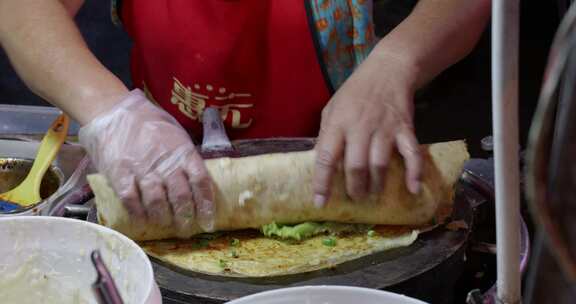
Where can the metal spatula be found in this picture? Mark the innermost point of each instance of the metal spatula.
(104, 287)
(216, 143)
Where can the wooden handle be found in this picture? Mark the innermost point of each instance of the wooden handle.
(47, 151)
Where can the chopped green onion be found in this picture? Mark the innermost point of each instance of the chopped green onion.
(233, 253)
(330, 242)
(234, 242)
(371, 233)
(222, 263)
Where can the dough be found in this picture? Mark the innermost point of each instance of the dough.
(31, 283)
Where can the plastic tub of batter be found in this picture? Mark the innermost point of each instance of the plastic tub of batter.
(45, 259)
(326, 295)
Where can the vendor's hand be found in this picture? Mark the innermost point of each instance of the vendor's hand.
(151, 163)
(367, 118)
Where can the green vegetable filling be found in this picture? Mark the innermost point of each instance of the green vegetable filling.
(330, 242)
(309, 229)
(296, 232)
(222, 263)
(233, 244)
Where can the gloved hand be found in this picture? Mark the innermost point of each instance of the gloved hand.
(151, 163)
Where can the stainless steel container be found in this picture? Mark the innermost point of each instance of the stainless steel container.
(12, 173)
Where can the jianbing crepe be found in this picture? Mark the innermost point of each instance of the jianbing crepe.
(258, 190)
(249, 254)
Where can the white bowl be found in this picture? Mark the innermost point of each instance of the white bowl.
(326, 295)
(47, 260)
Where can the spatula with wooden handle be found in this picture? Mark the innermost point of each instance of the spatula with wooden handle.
(28, 192)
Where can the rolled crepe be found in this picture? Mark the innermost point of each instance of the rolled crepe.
(257, 190)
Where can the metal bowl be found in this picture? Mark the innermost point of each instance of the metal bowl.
(14, 170)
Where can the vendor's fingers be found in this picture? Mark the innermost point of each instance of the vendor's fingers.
(154, 200)
(380, 152)
(181, 199)
(202, 190)
(410, 150)
(356, 164)
(127, 190)
(329, 151)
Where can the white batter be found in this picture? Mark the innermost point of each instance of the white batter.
(34, 283)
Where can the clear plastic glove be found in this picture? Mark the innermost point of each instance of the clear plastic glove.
(151, 163)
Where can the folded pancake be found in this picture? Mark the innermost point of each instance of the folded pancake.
(258, 190)
(249, 254)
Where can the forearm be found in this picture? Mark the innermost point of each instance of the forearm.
(50, 55)
(436, 35)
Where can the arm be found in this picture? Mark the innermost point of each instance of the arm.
(72, 6)
(436, 35)
(146, 155)
(48, 52)
(371, 114)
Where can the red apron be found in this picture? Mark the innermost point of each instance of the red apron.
(255, 60)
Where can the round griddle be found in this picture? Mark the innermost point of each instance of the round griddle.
(428, 269)
(380, 270)
(412, 270)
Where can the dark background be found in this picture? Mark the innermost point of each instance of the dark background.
(110, 44)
